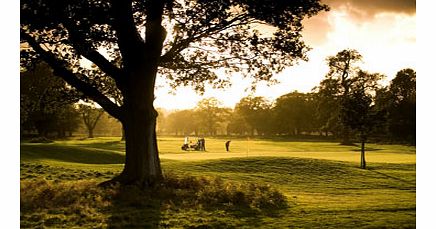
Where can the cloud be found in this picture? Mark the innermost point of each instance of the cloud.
(317, 28)
(373, 7)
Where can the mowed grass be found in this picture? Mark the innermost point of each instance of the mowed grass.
(321, 181)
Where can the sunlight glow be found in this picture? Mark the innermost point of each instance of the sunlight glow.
(387, 42)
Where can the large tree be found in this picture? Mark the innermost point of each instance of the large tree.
(358, 109)
(131, 41)
(343, 70)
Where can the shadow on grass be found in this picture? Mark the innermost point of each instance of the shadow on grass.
(393, 166)
(277, 165)
(300, 138)
(109, 145)
(186, 202)
(69, 154)
(194, 202)
(311, 175)
(132, 209)
(366, 149)
(392, 177)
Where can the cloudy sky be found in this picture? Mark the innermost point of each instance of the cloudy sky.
(383, 31)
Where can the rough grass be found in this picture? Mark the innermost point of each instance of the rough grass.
(81, 203)
(320, 181)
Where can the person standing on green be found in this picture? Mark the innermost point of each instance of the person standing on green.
(227, 145)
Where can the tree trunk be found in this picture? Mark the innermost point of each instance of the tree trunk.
(61, 133)
(362, 155)
(90, 133)
(345, 136)
(123, 134)
(142, 165)
(42, 133)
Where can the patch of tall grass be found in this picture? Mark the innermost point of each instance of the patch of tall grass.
(43, 194)
(83, 203)
(213, 191)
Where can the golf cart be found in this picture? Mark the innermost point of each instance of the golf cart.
(198, 146)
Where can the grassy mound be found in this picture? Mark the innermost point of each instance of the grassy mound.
(83, 204)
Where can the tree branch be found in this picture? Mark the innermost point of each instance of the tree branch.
(61, 71)
(184, 43)
(85, 49)
(106, 66)
(129, 39)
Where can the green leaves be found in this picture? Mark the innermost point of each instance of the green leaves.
(203, 37)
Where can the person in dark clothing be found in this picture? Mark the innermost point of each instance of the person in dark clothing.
(202, 144)
(227, 145)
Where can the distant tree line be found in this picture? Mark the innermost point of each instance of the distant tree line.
(47, 103)
(349, 104)
(50, 108)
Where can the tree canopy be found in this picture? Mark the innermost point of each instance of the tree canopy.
(46, 101)
(335, 88)
(131, 42)
(199, 37)
(294, 112)
(400, 106)
(256, 113)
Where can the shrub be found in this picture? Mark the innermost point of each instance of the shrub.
(212, 192)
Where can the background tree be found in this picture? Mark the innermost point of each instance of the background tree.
(358, 110)
(205, 36)
(161, 120)
(402, 108)
(225, 118)
(106, 126)
(294, 113)
(45, 100)
(327, 103)
(237, 124)
(342, 71)
(398, 101)
(182, 122)
(209, 114)
(90, 116)
(256, 111)
(67, 120)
